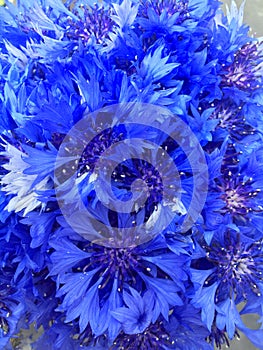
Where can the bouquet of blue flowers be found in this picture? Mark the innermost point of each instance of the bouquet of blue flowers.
(131, 187)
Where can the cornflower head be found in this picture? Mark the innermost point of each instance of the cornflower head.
(238, 188)
(226, 272)
(244, 73)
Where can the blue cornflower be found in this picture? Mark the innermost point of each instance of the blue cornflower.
(235, 189)
(96, 277)
(241, 187)
(226, 272)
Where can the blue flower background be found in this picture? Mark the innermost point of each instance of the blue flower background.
(59, 64)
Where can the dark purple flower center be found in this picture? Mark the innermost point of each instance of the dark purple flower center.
(113, 262)
(98, 145)
(154, 337)
(128, 172)
(169, 6)
(243, 73)
(97, 22)
(238, 196)
(238, 265)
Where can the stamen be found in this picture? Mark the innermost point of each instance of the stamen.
(154, 337)
(244, 73)
(96, 22)
(239, 265)
(169, 6)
